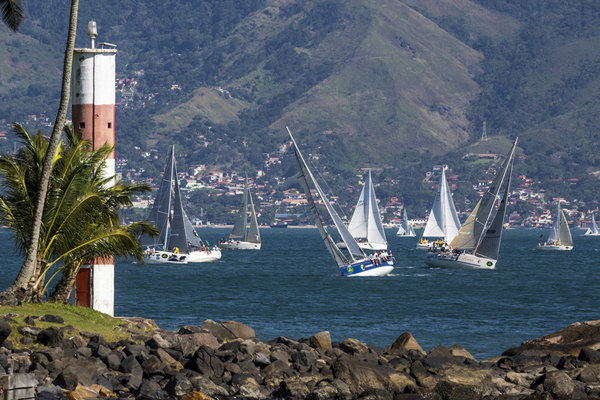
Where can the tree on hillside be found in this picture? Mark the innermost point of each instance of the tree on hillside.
(80, 221)
(21, 287)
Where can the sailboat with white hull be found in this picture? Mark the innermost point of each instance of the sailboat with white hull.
(560, 235)
(357, 263)
(242, 238)
(406, 229)
(477, 244)
(443, 220)
(593, 229)
(365, 226)
(178, 241)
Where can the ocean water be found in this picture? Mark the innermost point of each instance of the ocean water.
(292, 288)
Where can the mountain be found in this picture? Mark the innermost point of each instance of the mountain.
(386, 83)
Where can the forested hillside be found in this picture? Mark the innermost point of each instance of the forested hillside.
(395, 84)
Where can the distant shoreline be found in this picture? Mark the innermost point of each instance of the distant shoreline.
(260, 227)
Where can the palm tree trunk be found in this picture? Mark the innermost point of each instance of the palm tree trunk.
(62, 291)
(19, 289)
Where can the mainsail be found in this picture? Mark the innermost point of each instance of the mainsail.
(472, 231)
(564, 234)
(490, 244)
(253, 234)
(239, 228)
(353, 248)
(161, 208)
(593, 229)
(443, 220)
(366, 220)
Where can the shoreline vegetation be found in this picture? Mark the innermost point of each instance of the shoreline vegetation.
(78, 353)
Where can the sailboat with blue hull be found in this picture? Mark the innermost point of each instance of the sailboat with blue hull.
(356, 263)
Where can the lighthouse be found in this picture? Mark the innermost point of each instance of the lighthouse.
(93, 109)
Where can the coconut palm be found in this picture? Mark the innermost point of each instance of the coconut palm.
(12, 16)
(80, 222)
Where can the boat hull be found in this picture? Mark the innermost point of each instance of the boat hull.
(591, 234)
(554, 247)
(238, 245)
(367, 268)
(404, 235)
(204, 256)
(365, 246)
(464, 261)
(166, 257)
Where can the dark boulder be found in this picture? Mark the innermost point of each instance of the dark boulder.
(361, 376)
(228, 330)
(50, 336)
(178, 385)
(590, 355)
(5, 330)
(150, 390)
(152, 366)
(206, 362)
(130, 365)
(84, 372)
(404, 344)
(53, 319)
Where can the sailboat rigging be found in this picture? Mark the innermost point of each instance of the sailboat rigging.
(241, 237)
(443, 220)
(178, 241)
(406, 229)
(593, 229)
(365, 226)
(560, 235)
(477, 244)
(357, 263)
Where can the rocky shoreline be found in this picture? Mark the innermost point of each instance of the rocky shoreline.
(224, 360)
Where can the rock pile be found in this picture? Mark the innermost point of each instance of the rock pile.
(224, 360)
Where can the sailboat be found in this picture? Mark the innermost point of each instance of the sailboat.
(357, 263)
(365, 226)
(477, 244)
(443, 220)
(178, 241)
(406, 229)
(241, 237)
(560, 235)
(593, 230)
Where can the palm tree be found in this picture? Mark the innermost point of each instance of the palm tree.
(12, 16)
(80, 219)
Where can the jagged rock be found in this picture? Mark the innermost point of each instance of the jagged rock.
(28, 330)
(130, 365)
(293, 387)
(168, 361)
(113, 360)
(404, 344)
(260, 360)
(423, 378)
(206, 362)
(521, 379)
(84, 372)
(361, 376)
(135, 350)
(178, 385)
(49, 336)
(150, 390)
(54, 319)
(205, 385)
(29, 320)
(353, 346)
(569, 340)
(53, 353)
(228, 330)
(152, 366)
(321, 340)
(440, 351)
(458, 351)
(558, 384)
(247, 386)
(304, 358)
(130, 382)
(195, 396)
(590, 355)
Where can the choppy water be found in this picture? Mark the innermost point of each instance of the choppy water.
(292, 288)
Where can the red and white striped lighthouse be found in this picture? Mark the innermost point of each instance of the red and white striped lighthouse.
(93, 109)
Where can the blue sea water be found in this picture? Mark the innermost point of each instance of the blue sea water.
(292, 288)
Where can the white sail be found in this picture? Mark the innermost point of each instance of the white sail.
(593, 229)
(443, 220)
(366, 220)
(253, 233)
(353, 248)
(406, 229)
(475, 226)
(564, 234)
